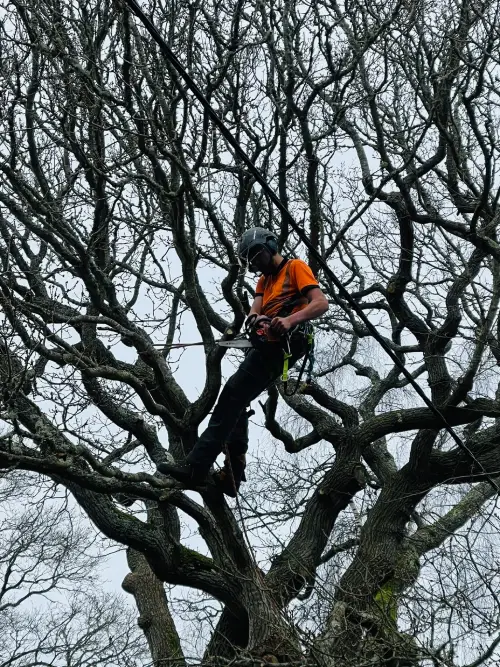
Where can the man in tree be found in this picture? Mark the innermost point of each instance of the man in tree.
(287, 296)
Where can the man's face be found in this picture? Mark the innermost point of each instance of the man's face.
(260, 260)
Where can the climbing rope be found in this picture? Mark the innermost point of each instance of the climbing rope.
(224, 130)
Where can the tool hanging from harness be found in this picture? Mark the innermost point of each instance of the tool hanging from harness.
(307, 331)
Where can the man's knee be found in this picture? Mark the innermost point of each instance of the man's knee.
(236, 382)
(244, 385)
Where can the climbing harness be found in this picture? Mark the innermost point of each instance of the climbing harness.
(260, 336)
(344, 294)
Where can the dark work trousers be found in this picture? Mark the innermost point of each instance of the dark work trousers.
(228, 424)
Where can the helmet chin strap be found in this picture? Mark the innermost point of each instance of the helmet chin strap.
(274, 268)
(271, 271)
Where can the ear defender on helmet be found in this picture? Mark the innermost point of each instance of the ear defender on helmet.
(272, 245)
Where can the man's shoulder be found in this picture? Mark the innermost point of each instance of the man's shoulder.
(303, 276)
(299, 266)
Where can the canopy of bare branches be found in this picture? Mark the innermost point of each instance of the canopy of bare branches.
(52, 611)
(377, 124)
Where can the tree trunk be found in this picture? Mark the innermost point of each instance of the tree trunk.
(363, 618)
(155, 619)
(269, 633)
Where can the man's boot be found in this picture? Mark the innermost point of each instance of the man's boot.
(228, 479)
(233, 473)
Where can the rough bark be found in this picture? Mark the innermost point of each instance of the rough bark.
(120, 210)
(155, 619)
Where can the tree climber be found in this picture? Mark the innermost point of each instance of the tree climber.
(286, 297)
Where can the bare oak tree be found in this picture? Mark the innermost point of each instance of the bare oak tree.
(377, 124)
(51, 609)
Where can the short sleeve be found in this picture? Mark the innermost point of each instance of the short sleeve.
(259, 290)
(304, 277)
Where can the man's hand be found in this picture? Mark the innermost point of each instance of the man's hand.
(254, 322)
(280, 325)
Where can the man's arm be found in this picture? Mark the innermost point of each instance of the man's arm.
(318, 305)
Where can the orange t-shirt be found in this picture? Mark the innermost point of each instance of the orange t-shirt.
(284, 293)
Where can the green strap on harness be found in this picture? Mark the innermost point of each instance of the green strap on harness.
(286, 357)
